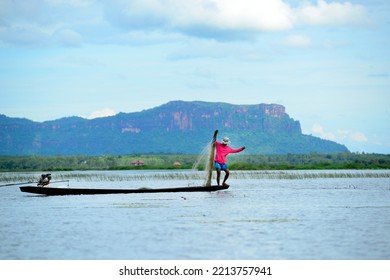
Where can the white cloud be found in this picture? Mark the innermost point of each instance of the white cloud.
(358, 137)
(205, 18)
(201, 16)
(101, 113)
(252, 14)
(318, 130)
(333, 13)
(351, 136)
(217, 19)
(339, 135)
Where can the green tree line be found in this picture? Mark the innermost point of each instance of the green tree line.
(170, 161)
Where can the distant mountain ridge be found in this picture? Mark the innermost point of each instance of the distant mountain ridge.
(177, 127)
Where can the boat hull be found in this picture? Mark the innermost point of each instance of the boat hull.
(78, 191)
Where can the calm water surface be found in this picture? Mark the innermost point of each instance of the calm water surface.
(269, 218)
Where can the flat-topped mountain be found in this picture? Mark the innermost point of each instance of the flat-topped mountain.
(177, 127)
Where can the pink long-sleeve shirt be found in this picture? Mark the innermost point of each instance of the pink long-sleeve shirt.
(222, 151)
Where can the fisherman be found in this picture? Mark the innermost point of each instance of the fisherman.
(44, 180)
(222, 150)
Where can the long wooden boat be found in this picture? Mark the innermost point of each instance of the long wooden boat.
(89, 191)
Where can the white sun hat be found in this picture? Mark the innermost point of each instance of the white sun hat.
(226, 141)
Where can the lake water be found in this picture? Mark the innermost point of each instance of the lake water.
(263, 215)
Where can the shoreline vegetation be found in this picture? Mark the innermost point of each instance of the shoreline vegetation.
(313, 161)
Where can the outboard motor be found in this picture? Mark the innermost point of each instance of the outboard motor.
(44, 180)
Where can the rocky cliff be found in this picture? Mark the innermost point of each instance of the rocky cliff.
(175, 127)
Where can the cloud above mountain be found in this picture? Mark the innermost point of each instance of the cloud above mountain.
(251, 15)
(70, 23)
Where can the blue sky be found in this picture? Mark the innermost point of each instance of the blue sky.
(327, 62)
